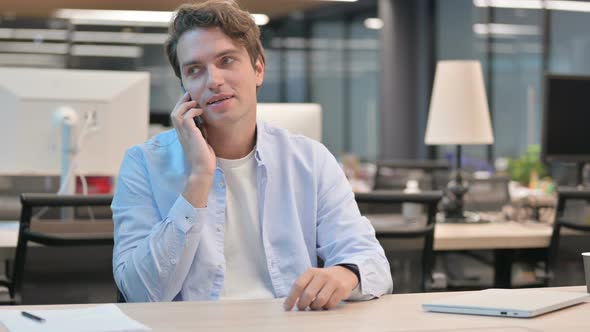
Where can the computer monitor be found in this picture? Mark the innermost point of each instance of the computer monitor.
(566, 131)
(111, 107)
(304, 119)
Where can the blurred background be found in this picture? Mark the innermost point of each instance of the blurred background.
(370, 65)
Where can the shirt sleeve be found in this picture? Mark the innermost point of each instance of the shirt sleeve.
(152, 253)
(344, 236)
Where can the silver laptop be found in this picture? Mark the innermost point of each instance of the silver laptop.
(507, 302)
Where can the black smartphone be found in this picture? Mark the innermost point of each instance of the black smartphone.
(199, 122)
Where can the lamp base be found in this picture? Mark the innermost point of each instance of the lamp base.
(467, 218)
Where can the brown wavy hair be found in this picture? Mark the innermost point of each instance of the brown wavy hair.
(227, 15)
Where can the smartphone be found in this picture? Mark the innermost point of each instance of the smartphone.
(199, 122)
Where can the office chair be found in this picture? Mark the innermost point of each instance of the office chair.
(417, 231)
(393, 174)
(564, 221)
(466, 269)
(487, 194)
(54, 233)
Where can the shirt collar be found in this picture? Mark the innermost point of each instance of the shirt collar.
(261, 141)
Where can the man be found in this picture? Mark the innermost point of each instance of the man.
(246, 212)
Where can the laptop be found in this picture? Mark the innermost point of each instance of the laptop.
(507, 302)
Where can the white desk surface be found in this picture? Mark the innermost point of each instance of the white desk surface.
(401, 312)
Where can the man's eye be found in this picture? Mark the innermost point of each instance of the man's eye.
(192, 70)
(227, 60)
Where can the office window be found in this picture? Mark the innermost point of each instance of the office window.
(509, 44)
(327, 81)
(455, 39)
(270, 92)
(516, 78)
(363, 97)
(570, 43)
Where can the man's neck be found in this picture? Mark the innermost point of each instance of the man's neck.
(232, 142)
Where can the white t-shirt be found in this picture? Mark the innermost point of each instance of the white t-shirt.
(246, 273)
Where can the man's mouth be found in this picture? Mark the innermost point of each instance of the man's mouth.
(219, 100)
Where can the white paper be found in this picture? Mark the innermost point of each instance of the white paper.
(104, 318)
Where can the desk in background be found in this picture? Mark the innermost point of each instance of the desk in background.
(504, 238)
(401, 312)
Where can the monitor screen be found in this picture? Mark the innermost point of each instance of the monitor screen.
(566, 125)
(112, 109)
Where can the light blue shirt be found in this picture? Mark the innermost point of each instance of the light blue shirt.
(165, 249)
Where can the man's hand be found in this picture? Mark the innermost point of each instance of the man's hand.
(198, 152)
(321, 288)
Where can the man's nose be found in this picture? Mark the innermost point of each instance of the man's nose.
(214, 78)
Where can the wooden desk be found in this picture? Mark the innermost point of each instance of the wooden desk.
(494, 235)
(501, 237)
(401, 312)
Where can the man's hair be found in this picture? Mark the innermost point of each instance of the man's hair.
(227, 15)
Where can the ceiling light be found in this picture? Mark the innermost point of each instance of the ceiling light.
(132, 17)
(88, 15)
(373, 23)
(524, 4)
(574, 6)
(506, 29)
(260, 19)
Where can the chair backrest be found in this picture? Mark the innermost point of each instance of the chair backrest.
(565, 220)
(56, 233)
(393, 174)
(424, 232)
(487, 194)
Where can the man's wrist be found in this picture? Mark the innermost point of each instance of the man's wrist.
(352, 268)
(197, 189)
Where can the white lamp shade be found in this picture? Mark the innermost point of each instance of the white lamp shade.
(459, 111)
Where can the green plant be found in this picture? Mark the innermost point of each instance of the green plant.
(520, 169)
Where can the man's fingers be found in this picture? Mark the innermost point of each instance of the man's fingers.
(298, 287)
(183, 105)
(323, 297)
(311, 291)
(192, 113)
(338, 295)
(183, 99)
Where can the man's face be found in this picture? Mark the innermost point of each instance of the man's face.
(218, 74)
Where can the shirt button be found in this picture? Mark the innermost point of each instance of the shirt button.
(188, 219)
(173, 261)
(219, 228)
(221, 185)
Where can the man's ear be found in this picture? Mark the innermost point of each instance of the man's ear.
(259, 71)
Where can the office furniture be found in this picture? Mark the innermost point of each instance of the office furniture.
(298, 118)
(398, 312)
(424, 231)
(503, 238)
(55, 233)
(564, 222)
(393, 174)
(487, 194)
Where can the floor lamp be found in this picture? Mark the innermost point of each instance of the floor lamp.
(458, 115)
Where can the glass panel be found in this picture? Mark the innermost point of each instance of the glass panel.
(517, 70)
(327, 81)
(364, 90)
(570, 43)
